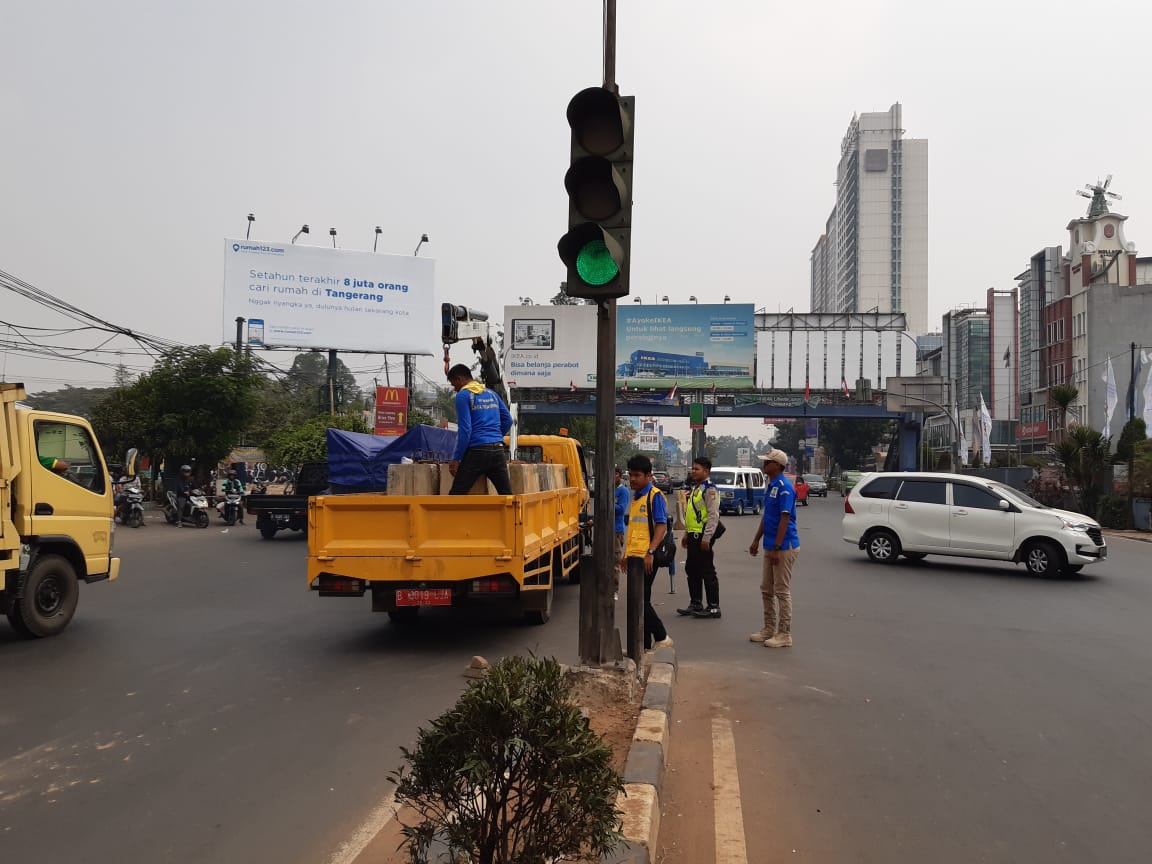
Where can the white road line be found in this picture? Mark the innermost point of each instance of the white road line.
(730, 848)
(350, 849)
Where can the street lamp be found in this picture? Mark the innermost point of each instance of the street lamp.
(303, 230)
(251, 219)
(726, 298)
(423, 240)
(664, 299)
(332, 231)
(692, 299)
(376, 239)
(636, 299)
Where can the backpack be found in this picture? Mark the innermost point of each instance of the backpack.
(665, 553)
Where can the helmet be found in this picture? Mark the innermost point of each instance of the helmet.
(231, 472)
(185, 468)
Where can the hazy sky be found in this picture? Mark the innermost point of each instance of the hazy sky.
(138, 134)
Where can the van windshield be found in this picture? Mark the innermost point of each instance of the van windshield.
(723, 478)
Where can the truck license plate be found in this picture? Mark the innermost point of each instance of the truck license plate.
(429, 597)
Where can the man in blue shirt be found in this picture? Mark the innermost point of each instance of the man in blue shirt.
(645, 533)
(781, 548)
(623, 504)
(482, 421)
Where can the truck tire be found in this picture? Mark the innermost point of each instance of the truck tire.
(541, 616)
(403, 614)
(49, 599)
(267, 532)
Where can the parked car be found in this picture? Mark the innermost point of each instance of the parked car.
(918, 514)
(662, 480)
(848, 481)
(817, 485)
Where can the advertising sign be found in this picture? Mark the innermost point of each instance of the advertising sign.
(693, 347)
(311, 297)
(1033, 430)
(550, 346)
(391, 410)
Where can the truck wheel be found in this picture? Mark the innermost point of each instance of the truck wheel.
(267, 532)
(403, 614)
(50, 596)
(540, 616)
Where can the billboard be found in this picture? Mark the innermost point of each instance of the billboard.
(391, 410)
(550, 346)
(647, 433)
(311, 297)
(826, 359)
(693, 347)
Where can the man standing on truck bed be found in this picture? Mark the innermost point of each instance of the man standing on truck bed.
(482, 421)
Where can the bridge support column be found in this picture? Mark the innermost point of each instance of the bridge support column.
(910, 428)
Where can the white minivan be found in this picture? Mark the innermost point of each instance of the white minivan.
(741, 489)
(918, 514)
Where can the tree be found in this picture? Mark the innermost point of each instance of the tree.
(1083, 454)
(788, 435)
(309, 373)
(511, 774)
(308, 442)
(848, 441)
(80, 401)
(1063, 395)
(194, 404)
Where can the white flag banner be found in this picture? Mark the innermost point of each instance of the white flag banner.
(1110, 397)
(985, 432)
(1148, 393)
(963, 444)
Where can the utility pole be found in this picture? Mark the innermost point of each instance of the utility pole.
(239, 334)
(332, 382)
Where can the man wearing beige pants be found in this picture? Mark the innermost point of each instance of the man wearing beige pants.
(781, 548)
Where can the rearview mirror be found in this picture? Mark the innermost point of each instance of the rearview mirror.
(1005, 506)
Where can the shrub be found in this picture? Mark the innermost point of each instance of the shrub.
(1113, 511)
(511, 774)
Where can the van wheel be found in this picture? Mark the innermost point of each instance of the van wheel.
(756, 509)
(739, 508)
(883, 547)
(1043, 558)
(51, 593)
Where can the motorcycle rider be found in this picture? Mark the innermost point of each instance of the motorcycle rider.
(235, 485)
(185, 486)
(121, 488)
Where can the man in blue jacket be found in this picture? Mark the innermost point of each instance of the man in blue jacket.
(482, 421)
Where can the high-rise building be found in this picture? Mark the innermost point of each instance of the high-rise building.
(966, 356)
(873, 253)
(1003, 343)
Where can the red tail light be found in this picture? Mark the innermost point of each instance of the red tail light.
(848, 502)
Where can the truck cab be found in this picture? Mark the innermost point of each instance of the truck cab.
(56, 526)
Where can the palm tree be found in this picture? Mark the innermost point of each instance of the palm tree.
(1083, 454)
(1063, 395)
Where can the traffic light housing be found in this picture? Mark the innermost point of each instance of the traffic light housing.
(599, 183)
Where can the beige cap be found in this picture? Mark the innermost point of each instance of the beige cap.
(778, 456)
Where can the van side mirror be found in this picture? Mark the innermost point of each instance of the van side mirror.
(1005, 506)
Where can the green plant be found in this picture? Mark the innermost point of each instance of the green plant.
(1113, 511)
(308, 442)
(511, 774)
(1063, 395)
(1082, 454)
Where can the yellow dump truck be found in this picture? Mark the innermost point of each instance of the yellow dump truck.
(412, 551)
(55, 515)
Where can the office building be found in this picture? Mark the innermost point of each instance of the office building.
(873, 254)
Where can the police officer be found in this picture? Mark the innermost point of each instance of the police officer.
(700, 520)
(781, 547)
(482, 421)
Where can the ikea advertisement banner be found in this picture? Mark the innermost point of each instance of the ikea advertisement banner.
(311, 297)
(550, 347)
(692, 347)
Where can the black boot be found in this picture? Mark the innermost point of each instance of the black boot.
(707, 612)
(694, 607)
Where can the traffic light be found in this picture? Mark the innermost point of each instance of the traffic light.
(458, 323)
(599, 184)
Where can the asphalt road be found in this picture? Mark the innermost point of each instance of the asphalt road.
(206, 707)
(945, 711)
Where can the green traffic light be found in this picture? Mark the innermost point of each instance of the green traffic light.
(595, 264)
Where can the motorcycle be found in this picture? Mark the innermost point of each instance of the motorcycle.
(196, 512)
(230, 507)
(130, 507)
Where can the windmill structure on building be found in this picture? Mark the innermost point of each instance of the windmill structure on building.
(1099, 194)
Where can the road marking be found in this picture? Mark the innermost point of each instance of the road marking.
(350, 849)
(730, 848)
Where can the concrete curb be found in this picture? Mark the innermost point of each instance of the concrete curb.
(1141, 536)
(639, 803)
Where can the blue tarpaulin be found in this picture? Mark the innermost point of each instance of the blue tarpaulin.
(359, 462)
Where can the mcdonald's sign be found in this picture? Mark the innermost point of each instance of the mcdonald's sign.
(391, 410)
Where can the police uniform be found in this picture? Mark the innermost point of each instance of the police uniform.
(701, 517)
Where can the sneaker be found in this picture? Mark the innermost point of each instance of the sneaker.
(761, 636)
(693, 608)
(615, 596)
(780, 640)
(666, 642)
(709, 612)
